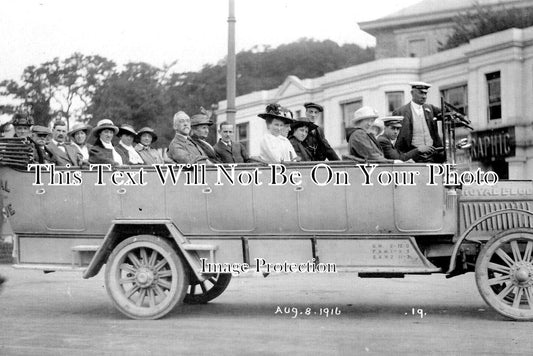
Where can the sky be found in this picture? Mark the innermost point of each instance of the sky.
(193, 32)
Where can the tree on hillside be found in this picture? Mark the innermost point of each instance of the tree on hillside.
(483, 20)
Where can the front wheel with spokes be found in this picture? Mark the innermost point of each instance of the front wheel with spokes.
(504, 273)
(145, 277)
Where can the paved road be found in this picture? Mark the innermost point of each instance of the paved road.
(62, 314)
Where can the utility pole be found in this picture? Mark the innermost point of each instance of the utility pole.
(231, 71)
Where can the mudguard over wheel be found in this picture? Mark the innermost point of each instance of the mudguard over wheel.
(203, 292)
(504, 273)
(145, 277)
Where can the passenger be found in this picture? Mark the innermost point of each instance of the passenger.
(125, 148)
(78, 135)
(200, 124)
(146, 136)
(362, 144)
(377, 128)
(103, 151)
(299, 132)
(182, 149)
(273, 147)
(61, 152)
(7, 130)
(22, 124)
(226, 149)
(40, 135)
(316, 141)
(419, 129)
(393, 125)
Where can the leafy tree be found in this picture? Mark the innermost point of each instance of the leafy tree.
(484, 20)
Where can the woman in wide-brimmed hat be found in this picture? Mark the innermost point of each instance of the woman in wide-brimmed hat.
(103, 151)
(274, 147)
(146, 136)
(78, 136)
(299, 131)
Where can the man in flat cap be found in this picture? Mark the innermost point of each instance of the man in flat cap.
(316, 141)
(62, 152)
(393, 125)
(419, 129)
(182, 148)
(200, 124)
(39, 137)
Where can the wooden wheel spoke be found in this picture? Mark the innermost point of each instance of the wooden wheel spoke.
(142, 294)
(193, 289)
(126, 280)
(517, 297)
(160, 264)
(128, 268)
(499, 280)
(505, 257)
(132, 291)
(505, 291)
(134, 260)
(212, 280)
(165, 273)
(151, 297)
(204, 288)
(164, 284)
(516, 251)
(153, 257)
(144, 256)
(158, 291)
(527, 252)
(498, 268)
(529, 297)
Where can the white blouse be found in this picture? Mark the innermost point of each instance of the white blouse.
(116, 156)
(276, 149)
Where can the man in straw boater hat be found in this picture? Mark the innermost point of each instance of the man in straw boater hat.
(393, 125)
(419, 127)
(316, 141)
(182, 148)
(200, 124)
(299, 132)
(125, 148)
(78, 136)
(146, 136)
(103, 151)
(362, 144)
(274, 147)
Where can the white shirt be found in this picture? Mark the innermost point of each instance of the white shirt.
(116, 156)
(276, 149)
(83, 150)
(421, 136)
(134, 156)
(61, 145)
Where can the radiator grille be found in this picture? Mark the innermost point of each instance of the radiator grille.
(470, 212)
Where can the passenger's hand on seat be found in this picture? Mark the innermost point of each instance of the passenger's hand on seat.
(426, 149)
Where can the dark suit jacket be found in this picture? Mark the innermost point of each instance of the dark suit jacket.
(124, 154)
(98, 154)
(301, 150)
(391, 152)
(206, 147)
(234, 154)
(319, 147)
(184, 150)
(70, 156)
(403, 142)
(364, 145)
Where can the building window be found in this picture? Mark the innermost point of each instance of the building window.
(458, 97)
(494, 110)
(417, 47)
(394, 100)
(348, 109)
(243, 136)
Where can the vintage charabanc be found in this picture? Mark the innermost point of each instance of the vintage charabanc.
(157, 228)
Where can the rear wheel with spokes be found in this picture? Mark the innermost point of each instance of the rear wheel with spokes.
(209, 289)
(504, 273)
